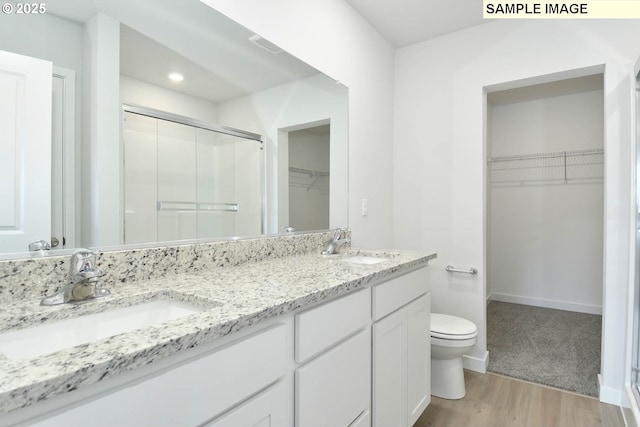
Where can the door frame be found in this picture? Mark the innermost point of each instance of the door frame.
(69, 177)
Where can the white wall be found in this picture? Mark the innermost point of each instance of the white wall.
(439, 154)
(43, 36)
(101, 181)
(133, 91)
(276, 111)
(544, 237)
(331, 36)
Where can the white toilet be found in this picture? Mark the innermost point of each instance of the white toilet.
(451, 337)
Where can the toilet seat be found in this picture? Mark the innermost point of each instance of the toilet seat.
(453, 343)
(444, 326)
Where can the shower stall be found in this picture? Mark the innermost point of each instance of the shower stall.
(635, 363)
(185, 179)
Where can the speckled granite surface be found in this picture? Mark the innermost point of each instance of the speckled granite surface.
(263, 278)
(38, 277)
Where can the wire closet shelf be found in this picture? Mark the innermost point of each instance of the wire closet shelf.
(561, 167)
(309, 179)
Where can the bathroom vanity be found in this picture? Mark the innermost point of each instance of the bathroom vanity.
(290, 339)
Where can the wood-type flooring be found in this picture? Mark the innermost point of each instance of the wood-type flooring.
(494, 400)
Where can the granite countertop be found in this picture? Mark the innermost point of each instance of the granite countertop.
(233, 298)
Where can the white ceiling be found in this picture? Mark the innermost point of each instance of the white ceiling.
(149, 61)
(405, 22)
(212, 52)
(228, 70)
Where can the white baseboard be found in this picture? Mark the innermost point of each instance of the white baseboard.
(609, 395)
(546, 303)
(475, 363)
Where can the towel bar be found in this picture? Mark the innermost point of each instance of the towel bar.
(452, 269)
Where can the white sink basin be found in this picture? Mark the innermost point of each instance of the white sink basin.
(362, 259)
(48, 338)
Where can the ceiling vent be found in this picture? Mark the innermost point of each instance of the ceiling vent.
(265, 44)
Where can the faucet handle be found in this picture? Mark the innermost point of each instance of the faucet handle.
(82, 260)
(39, 245)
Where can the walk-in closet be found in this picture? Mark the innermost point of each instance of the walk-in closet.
(545, 210)
(309, 166)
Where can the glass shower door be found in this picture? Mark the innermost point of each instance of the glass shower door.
(184, 181)
(229, 190)
(635, 367)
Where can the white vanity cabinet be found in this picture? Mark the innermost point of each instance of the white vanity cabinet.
(194, 391)
(401, 350)
(333, 348)
(264, 410)
(358, 360)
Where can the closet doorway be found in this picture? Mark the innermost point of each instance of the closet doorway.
(545, 221)
(309, 153)
(304, 179)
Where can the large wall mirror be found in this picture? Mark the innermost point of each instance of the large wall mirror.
(170, 122)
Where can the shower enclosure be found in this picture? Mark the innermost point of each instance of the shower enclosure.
(635, 366)
(186, 180)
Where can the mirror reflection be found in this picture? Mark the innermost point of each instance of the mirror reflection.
(188, 180)
(171, 122)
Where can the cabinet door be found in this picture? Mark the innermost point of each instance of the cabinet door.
(268, 409)
(364, 420)
(390, 371)
(418, 357)
(335, 388)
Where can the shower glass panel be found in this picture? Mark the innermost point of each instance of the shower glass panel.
(635, 367)
(184, 182)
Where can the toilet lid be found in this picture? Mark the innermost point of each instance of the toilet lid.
(452, 327)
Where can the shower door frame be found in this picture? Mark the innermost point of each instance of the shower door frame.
(635, 358)
(184, 120)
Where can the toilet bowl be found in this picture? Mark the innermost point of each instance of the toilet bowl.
(451, 337)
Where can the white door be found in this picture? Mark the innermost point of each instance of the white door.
(25, 151)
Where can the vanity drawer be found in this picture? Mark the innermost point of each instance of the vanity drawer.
(335, 388)
(321, 327)
(395, 293)
(191, 392)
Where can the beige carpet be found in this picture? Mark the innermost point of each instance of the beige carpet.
(546, 346)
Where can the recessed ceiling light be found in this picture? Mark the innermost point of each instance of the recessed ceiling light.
(176, 77)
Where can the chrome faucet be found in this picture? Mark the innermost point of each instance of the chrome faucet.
(339, 238)
(83, 279)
